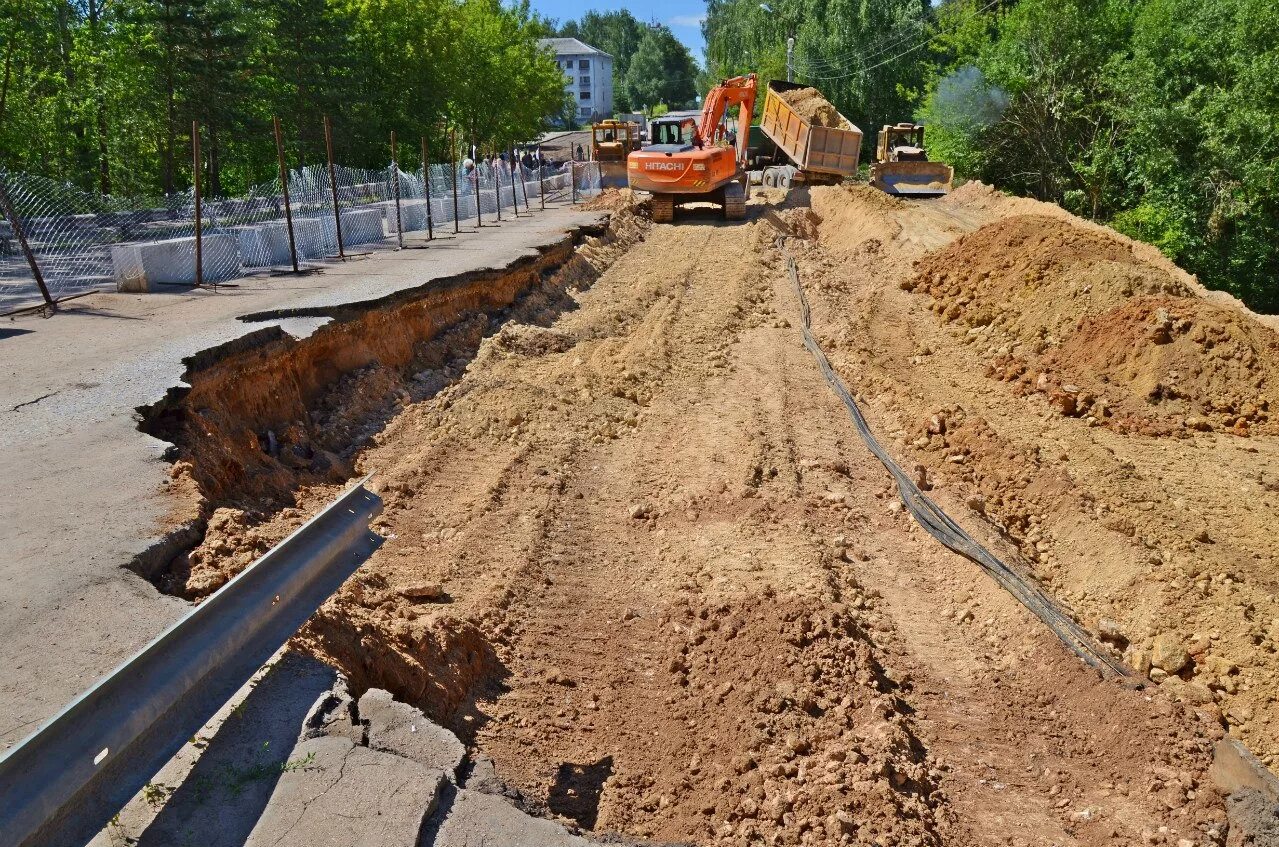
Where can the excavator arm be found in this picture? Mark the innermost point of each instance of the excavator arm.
(738, 91)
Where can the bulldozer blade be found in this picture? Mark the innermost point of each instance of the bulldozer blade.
(912, 179)
(613, 174)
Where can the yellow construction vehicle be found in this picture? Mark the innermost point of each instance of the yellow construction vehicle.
(611, 142)
(902, 167)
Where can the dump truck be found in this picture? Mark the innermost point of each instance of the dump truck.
(611, 142)
(902, 166)
(805, 151)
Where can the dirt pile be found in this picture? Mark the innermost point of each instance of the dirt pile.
(814, 108)
(1102, 332)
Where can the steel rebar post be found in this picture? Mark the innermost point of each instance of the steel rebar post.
(333, 183)
(395, 190)
(476, 172)
(453, 169)
(426, 186)
(497, 185)
(515, 201)
(195, 170)
(284, 185)
(21, 233)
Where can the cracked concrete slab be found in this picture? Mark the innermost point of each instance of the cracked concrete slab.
(395, 727)
(469, 818)
(338, 794)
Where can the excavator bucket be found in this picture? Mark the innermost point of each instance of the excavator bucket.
(912, 179)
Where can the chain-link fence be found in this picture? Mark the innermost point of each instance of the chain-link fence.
(81, 242)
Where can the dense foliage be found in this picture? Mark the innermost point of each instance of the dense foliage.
(1160, 117)
(650, 66)
(847, 48)
(102, 93)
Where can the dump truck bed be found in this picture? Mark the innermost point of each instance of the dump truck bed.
(813, 149)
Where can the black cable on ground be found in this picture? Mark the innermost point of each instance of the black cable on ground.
(940, 525)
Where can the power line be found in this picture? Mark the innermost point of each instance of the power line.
(891, 59)
(839, 62)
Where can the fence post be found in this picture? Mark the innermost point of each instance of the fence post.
(395, 190)
(541, 178)
(284, 184)
(195, 170)
(457, 227)
(333, 183)
(524, 186)
(21, 233)
(497, 185)
(426, 184)
(572, 179)
(515, 200)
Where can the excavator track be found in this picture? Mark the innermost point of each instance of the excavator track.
(734, 202)
(663, 208)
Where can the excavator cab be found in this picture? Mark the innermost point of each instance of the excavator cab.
(902, 167)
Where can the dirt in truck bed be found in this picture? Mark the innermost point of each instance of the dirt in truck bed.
(814, 108)
(638, 556)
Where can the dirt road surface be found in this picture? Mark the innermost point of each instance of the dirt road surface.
(639, 558)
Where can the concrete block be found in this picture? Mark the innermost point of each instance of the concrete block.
(359, 226)
(267, 244)
(475, 818)
(398, 728)
(342, 795)
(412, 215)
(144, 265)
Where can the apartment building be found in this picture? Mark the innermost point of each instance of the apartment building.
(588, 76)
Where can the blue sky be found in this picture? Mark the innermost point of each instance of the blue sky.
(684, 18)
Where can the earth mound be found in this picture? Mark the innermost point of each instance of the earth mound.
(1101, 330)
(814, 108)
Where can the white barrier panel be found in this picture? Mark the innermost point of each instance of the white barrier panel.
(141, 267)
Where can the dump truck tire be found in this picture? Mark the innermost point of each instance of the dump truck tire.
(663, 208)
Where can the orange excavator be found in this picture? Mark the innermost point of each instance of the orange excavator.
(709, 166)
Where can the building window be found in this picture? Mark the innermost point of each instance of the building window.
(584, 95)
(586, 111)
(586, 80)
(584, 64)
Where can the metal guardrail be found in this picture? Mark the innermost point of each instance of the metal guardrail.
(65, 782)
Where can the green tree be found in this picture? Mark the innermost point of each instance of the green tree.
(662, 71)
